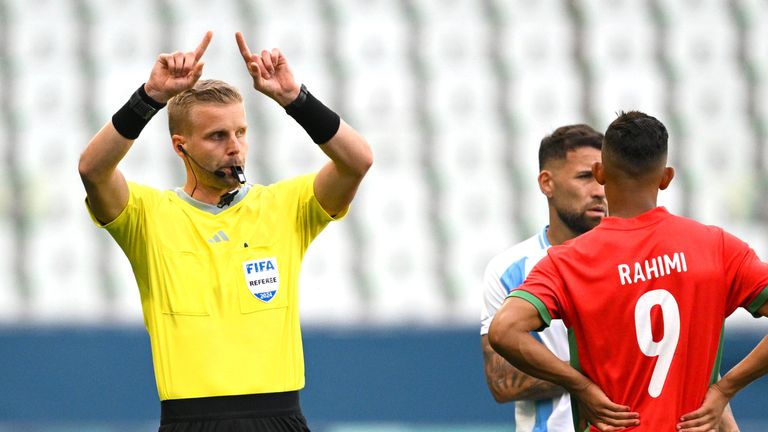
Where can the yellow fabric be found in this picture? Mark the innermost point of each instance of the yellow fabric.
(210, 335)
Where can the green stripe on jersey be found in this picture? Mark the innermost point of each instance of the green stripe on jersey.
(538, 304)
(573, 350)
(758, 302)
(576, 364)
(715, 376)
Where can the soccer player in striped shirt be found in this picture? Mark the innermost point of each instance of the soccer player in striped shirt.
(644, 295)
(576, 204)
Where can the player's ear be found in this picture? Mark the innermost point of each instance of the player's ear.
(666, 178)
(546, 183)
(178, 144)
(598, 171)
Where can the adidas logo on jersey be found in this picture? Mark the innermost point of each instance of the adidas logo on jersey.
(218, 237)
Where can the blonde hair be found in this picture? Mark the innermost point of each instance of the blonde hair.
(203, 92)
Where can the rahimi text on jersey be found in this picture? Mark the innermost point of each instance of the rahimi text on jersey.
(652, 268)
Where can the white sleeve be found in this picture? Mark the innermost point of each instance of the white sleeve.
(494, 294)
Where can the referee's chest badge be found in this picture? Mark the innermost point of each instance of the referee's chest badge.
(262, 278)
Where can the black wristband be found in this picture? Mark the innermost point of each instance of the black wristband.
(131, 118)
(320, 122)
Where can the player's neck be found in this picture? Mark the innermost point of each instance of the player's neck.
(558, 232)
(630, 203)
(630, 197)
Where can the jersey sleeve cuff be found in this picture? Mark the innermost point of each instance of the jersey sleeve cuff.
(758, 302)
(538, 304)
(319, 207)
(99, 223)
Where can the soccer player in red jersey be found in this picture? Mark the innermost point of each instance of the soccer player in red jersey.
(644, 295)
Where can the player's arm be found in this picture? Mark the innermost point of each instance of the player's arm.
(507, 383)
(509, 335)
(750, 368)
(337, 182)
(351, 157)
(104, 184)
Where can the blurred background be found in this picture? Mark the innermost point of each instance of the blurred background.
(454, 97)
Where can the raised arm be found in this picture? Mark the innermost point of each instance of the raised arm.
(104, 184)
(509, 335)
(351, 156)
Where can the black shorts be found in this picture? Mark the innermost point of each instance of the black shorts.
(270, 412)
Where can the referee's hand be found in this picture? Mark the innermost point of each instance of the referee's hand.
(270, 72)
(176, 72)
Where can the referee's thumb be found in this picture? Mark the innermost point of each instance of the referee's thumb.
(197, 72)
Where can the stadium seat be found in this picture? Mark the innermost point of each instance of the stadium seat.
(330, 291)
(454, 97)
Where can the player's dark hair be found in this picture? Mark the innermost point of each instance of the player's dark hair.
(567, 138)
(636, 143)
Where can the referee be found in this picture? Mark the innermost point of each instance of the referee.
(217, 260)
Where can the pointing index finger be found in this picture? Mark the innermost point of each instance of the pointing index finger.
(244, 51)
(200, 50)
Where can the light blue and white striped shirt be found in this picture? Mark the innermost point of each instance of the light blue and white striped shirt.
(506, 272)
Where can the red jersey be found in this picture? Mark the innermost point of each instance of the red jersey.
(645, 300)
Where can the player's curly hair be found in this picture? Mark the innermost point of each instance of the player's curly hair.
(203, 92)
(567, 138)
(636, 143)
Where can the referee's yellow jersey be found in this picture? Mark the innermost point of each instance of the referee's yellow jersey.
(220, 291)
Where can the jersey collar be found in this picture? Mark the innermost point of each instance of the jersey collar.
(650, 217)
(212, 208)
(543, 240)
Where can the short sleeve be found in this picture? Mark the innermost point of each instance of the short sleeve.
(127, 228)
(544, 288)
(494, 294)
(298, 195)
(746, 275)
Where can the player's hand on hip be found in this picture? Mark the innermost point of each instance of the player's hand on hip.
(602, 413)
(707, 417)
(176, 72)
(270, 72)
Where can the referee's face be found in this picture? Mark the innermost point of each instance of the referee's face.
(577, 198)
(217, 140)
